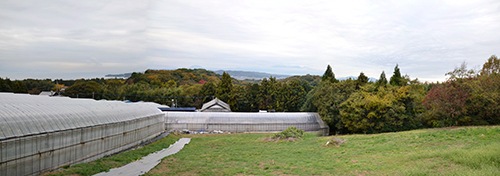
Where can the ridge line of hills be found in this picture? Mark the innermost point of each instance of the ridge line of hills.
(245, 75)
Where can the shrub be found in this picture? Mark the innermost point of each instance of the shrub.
(290, 132)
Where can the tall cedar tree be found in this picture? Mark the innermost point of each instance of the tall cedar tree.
(252, 95)
(362, 80)
(267, 93)
(329, 75)
(224, 88)
(396, 79)
(382, 80)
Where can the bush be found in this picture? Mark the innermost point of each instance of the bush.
(290, 132)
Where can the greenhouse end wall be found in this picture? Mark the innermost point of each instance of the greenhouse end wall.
(51, 143)
(244, 122)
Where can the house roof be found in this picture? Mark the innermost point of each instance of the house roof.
(215, 105)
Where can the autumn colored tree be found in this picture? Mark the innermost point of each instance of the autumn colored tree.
(446, 103)
(491, 66)
(370, 111)
(461, 72)
(375, 109)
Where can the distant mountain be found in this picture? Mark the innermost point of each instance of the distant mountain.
(242, 75)
(371, 79)
(124, 75)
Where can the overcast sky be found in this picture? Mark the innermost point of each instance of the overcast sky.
(84, 39)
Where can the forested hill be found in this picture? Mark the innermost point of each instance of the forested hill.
(181, 76)
(313, 80)
(242, 75)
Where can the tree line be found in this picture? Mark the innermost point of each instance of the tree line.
(468, 97)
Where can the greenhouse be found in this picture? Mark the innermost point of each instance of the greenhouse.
(41, 133)
(244, 122)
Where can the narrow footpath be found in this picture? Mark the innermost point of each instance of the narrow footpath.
(148, 162)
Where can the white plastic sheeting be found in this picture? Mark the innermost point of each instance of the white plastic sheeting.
(244, 122)
(39, 133)
(145, 164)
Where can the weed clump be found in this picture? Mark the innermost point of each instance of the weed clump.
(291, 133)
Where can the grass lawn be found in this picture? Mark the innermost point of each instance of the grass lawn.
(456, 151)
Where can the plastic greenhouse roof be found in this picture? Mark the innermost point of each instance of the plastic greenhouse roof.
(23, 114)
(242, 117)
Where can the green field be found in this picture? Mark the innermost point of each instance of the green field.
(457, 151)
(451, 151)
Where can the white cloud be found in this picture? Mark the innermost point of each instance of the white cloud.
(426, 38)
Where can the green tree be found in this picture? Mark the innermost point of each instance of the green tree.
(224, 87)
(43, 85)
(18, 87)
(362, 80)
(5, 85)
(267, 93)
(382, 80)
(137, 77)
(375, 111)
(297, 97)
(237, 100)
(208, 89)
(308, 105)
(329, 75)
(283, 97)
(83, 89)
(396, 78)
(252, 95)
(191, 91)
(328, 99)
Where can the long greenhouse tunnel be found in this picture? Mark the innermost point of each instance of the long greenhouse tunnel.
(41, 133)
(245, 122)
